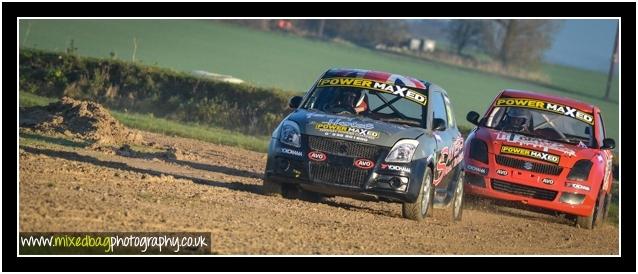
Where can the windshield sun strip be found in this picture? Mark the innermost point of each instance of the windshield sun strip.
(501, 119)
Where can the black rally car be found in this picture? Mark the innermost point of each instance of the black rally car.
(370, 135)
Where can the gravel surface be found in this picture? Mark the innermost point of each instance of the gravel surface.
(210, 188)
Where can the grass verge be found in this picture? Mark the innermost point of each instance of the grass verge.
(149, 123)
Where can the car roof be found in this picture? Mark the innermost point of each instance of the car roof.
(548, 97)
(382, 76)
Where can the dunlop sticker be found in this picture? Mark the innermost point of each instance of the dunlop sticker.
(547, 106)
(400, 91)
(539, 155)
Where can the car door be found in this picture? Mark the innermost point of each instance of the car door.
(444, 139)
(456, 150)
(607, 154)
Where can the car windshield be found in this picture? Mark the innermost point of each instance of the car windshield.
(407, 107)
(541, 124)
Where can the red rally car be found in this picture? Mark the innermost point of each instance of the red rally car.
(544, 151)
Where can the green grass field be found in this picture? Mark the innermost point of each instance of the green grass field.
(289, 62)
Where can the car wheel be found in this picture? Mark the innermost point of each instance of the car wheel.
(608, 197)
(270, 188)
(422, 207)
(310, 196)
(594, 219)
(456, 207)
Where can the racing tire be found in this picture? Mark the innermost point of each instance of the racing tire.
(270, 188)
(608, 197)
(595, 218)
(310, 196)
(423, 205)
(455, 209)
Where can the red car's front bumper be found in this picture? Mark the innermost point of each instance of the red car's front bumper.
(527, 187)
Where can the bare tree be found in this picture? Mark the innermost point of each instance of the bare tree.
(465, 33)
(322, 24)
(367, 32)
(519, 42)
(612, 65)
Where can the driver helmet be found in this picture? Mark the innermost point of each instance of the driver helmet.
(354, 98)
(517, 119)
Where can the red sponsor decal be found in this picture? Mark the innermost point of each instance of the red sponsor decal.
(441, 166)
(364, 163)
(317, 156)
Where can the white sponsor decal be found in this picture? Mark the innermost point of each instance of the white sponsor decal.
(502, 172)
(355, 124)
(364, 163)
(534, 142)
(608, 170)
(548, 181)
(345, 121)
(291, 152)
(577, 186)
(317, 156)
(476, 169)
(572, 112)
(396, 168)
(545, 156)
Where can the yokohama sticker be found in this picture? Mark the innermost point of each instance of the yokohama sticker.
(317, 156)
(479, 170)
(395, 168)
(364, 163)
(291, 152)
(578, 186)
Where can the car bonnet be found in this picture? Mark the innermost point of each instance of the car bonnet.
(352, 128)
(519, 145)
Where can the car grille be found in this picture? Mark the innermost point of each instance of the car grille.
(534, 192)
(345, 148)
(536, 167)
(339, 175)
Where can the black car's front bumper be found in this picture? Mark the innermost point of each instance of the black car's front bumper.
(337, 176)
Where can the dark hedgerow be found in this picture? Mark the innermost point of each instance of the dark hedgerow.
(166, 93)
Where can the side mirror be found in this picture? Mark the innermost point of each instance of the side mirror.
(473, 117)
(295, 101)
(608, 143)
(438, 124)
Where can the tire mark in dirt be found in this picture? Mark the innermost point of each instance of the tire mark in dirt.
(217, 189)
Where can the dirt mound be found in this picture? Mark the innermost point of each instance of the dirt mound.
(83, 119)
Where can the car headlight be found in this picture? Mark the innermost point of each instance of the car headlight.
(402, 151)
(580, 171)
(290, 134)
(478, 150)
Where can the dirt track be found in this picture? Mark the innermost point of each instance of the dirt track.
(211, 188)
